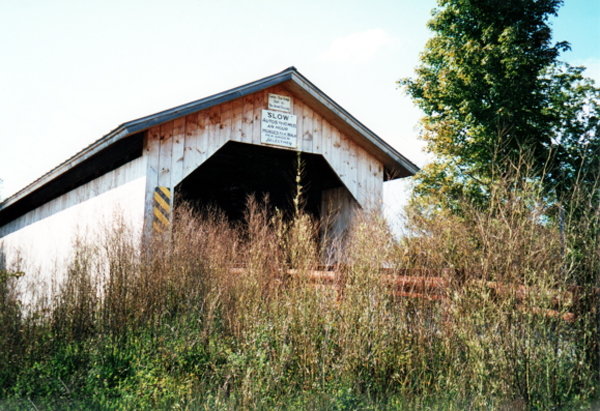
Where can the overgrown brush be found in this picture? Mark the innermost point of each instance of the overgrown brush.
(224, 316)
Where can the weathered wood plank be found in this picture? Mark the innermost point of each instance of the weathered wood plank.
(226, 120)
(317, 133)
(189, 153)
(151, 152)
(178, 150)
(376, 182)
(352, 160)
(307, 129)
(247, 119)
(214, 129)
(237, 109)
(363, 178)
(298, 111)
(345, 166)
(166, 154)
(336, 153)
(260, 102)
(327, 140)
(202, 137)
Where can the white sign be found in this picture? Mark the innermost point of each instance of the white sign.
(282, 103)
(278, 129)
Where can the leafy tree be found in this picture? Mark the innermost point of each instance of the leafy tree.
(493, 92)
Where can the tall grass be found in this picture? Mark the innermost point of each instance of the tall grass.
(222, 316)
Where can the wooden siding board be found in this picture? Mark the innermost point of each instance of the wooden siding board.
(317, 133)
(214, 130)
(363, 177)
(345, 166)
(166, 154)
(327, 140)
(226, 120)
(307, 129)
(336, 152)
(376, 182)
(151, 152)
(259, 104)
(247, 119)
(236, 122)
(298, 111)
(202, 140)
(178, 150)
(353, 163)
(189, 153)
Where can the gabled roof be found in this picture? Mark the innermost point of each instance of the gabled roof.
(125, 143)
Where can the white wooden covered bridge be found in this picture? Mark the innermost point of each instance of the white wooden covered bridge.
(216, 150)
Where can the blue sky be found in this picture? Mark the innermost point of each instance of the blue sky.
(72, 71)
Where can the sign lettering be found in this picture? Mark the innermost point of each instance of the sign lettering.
(281, 103)
(278, 129)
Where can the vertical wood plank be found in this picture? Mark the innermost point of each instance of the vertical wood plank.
(298, 111)
(317, 133)
(375, 183)
(354, 152)
(189, 153)
(326, 140)
(213, 129)
(259, 104)
(345, 164)
(152, 153)
(247, 118)
(363, 178)
(307, 129)
(237, 109)
(226, 119)
(178, 150)
(379, 184)
(336, 152)
(202, 139)
(166, 154)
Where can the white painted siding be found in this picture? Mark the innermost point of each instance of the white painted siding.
(44, 236)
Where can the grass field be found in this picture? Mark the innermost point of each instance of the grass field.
(211, 318)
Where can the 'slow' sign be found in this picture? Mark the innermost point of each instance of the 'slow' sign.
(278, 129)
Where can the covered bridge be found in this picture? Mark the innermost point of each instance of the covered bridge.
(216, 150)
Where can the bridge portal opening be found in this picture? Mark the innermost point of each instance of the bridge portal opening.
(239, 170)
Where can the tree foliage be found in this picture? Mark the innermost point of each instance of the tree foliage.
(493, 92)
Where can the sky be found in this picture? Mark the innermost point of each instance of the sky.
(72, 71)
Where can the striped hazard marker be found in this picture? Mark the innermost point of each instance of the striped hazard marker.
(162, 209)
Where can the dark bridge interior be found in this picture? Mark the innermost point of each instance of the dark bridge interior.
(239, 170)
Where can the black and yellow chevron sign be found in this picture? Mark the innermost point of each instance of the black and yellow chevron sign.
(162, 209)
